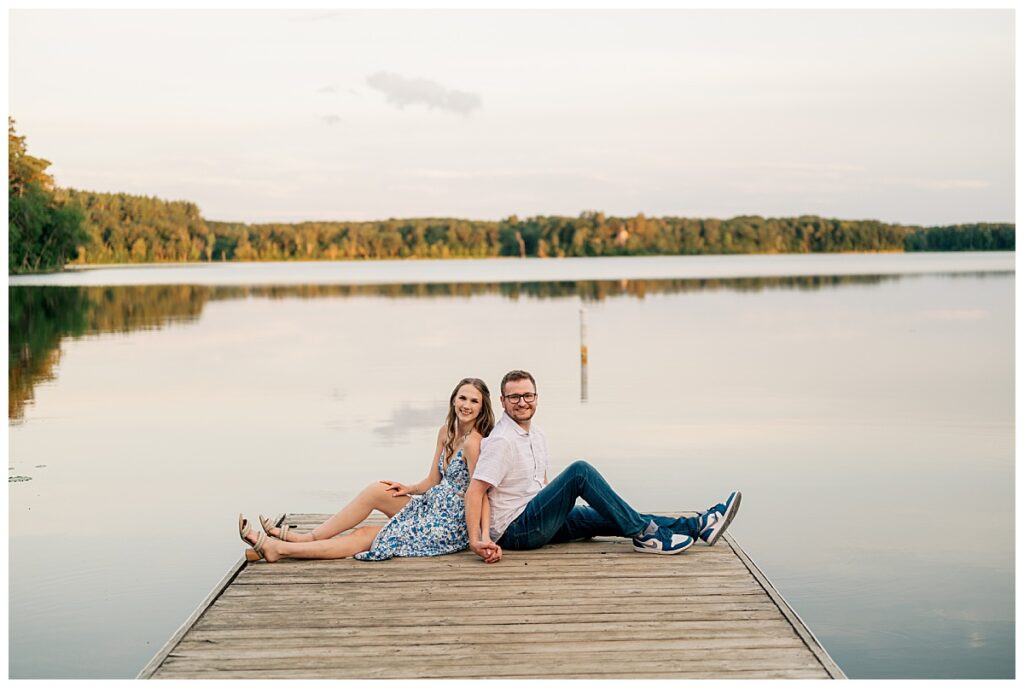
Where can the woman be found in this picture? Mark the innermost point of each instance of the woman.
(438, 517)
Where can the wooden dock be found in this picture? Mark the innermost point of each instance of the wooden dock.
(591, 609)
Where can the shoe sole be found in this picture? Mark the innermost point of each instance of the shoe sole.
(661, 551)
(726, 519)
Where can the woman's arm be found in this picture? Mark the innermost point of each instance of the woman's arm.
(433, 477)
(481, 503)
(485, 516)
(471, 451)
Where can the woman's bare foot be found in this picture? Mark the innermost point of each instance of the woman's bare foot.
(292, 535)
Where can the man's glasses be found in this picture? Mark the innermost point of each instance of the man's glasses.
(529, 397)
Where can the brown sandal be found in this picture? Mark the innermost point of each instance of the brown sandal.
(255, 553)
(268, 524)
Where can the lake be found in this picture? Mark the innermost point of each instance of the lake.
(863, 403)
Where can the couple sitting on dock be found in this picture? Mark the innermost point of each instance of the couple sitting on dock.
(507, 504)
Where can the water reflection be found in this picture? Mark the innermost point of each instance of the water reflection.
(40, 317)
(583, 354)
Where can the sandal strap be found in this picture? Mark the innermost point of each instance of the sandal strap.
(243, 528)
(266, 523)
(282, 529)
(258, 546)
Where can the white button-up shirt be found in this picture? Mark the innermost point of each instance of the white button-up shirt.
(515, 462)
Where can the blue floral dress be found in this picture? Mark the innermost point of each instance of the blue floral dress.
(431, 524)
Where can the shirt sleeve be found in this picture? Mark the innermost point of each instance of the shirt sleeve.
(493, 464)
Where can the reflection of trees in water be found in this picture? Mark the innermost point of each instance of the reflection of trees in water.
(125, 309)
(588, 290)
(39, 317)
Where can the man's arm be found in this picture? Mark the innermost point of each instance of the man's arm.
(485, 517)
(480, 541)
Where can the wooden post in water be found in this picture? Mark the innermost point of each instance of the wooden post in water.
(583, 353)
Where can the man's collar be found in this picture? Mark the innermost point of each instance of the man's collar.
(516, 426)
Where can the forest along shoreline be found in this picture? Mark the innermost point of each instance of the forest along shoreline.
(50, 227)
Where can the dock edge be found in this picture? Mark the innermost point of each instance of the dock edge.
(158, 659)
(801, 628)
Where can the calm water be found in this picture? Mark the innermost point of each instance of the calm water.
(868, 420)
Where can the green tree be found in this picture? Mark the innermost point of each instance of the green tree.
(44, 232)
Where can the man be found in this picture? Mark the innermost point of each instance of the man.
(527, 512)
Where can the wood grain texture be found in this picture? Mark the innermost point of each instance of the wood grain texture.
(592, 609)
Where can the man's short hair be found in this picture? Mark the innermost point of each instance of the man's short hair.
(513, 375)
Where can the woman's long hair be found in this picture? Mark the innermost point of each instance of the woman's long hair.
(484, 422)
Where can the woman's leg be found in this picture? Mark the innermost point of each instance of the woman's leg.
(359, 540)
(355, 512)
(352, 514)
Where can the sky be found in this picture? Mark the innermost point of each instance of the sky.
(285, 116)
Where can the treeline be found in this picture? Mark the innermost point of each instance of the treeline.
(418, 238)
(49, 227)
(979, 237)
(42, 232)
(140, 229)
(591, 234)
(127, 228)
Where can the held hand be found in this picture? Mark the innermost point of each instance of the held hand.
(486, 550)
(397, 489)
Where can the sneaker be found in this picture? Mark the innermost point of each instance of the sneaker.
(715, 520)
(662, 541)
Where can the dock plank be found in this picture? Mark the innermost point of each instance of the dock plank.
(592, 609)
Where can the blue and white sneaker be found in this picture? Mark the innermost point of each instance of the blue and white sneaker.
(662, 541)
(715, 520)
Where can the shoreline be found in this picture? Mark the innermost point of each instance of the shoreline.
(76, 267)
(512, 270)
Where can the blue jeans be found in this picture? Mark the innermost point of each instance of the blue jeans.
(552, 515)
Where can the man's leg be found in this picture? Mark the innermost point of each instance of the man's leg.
(585, 522)
(546, 513)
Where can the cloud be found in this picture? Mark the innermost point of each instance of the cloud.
(941, 184)
(519, 173)
(966, 314)
(316, 16)
(331, 120)
(810, 167)
(402, 91)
